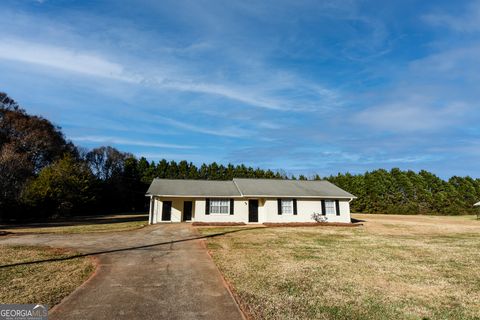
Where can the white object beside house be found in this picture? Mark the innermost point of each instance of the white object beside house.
(247, 201)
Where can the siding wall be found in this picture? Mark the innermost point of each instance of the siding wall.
(240, 212)
(177, 208)
(305, 209)
(267, 211)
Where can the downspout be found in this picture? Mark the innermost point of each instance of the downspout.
(150, 214)
(350, 209)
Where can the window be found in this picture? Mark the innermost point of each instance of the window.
(287, 206)
(221, 206)
(330, 207)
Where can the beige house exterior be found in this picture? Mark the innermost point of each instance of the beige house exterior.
(247, 201)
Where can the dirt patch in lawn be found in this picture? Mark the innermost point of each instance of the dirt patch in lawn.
(45, 283)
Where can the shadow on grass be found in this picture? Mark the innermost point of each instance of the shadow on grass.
(81, 255)
(80, 221)
(353, 220)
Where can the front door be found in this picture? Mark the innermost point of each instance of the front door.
(167, 211)
(187, 211)
(253, 210)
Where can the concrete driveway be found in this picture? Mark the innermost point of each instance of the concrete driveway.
(158, 272)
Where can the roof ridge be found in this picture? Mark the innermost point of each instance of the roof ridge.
(233, 180)
(180, 179)
(238, 188)
(278, 179)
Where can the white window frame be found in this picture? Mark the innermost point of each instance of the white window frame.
(219, 205)
(287, 206)
(330, 207)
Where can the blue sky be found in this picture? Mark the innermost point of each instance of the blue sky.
(304, 86)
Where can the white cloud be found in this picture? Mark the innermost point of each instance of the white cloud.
(460, 62)
(463, 147)
(406, 159)
(242, 95)
(278, 92)
(263, 89)
(130, 142)
(412, 116)
(269, 125)
(193, 157)
(62, 59)
(217, 131)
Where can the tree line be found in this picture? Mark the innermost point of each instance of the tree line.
(409, 192)
(43, 175)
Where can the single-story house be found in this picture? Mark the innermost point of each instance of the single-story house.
(247, 201)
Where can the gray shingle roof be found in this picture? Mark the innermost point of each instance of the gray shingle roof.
(202, 188)
(290, 188)
(247, 188)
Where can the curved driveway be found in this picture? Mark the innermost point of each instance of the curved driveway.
(157, 272)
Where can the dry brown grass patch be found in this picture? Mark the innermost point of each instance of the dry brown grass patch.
(46, 283)
(392, 267)
(79, 228)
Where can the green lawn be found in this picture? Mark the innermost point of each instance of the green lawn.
(84, 225)
(45, 283)
(393, 267)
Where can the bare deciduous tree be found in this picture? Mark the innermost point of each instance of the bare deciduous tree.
(106, 162)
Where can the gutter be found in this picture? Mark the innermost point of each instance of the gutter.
(243, 196)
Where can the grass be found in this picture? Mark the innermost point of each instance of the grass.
(83, 225)
(393, 267)
(46, 283)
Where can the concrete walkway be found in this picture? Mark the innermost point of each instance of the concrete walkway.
(158, 272)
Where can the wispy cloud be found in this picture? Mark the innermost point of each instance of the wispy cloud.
(467, 146)
(197, 158)
(62, 59)
(266, 95)
(213, 130)
(130, 142)
(245, 95)
(459, 62)
(265, 83)
(412, 116)
(468, 21)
